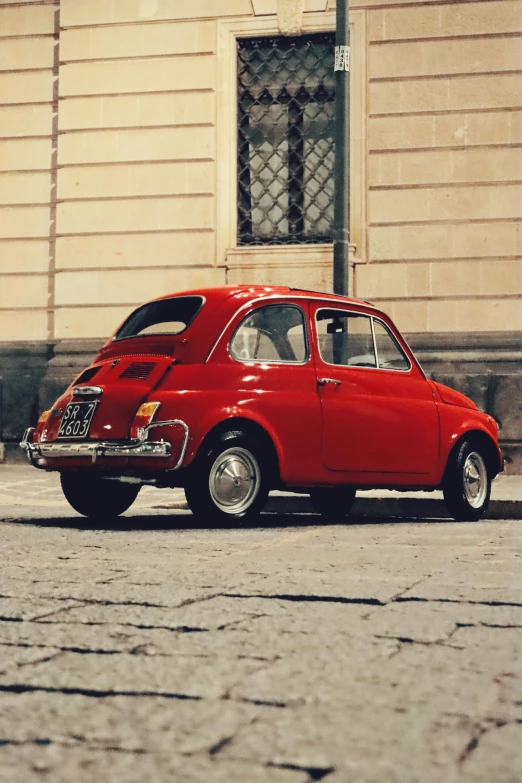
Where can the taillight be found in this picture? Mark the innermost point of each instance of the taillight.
(144, 415)
(40, 426)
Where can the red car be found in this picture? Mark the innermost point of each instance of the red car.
(231, 392)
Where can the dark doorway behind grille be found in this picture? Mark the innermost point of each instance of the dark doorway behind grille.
(285, 140)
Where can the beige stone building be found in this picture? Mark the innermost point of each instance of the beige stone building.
(121, 175)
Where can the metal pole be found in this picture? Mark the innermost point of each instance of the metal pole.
(341, 232)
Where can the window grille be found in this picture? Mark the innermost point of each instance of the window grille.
(285, 140)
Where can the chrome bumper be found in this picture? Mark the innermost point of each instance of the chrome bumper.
(140, 447)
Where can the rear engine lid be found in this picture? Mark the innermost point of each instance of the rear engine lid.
(117, 388)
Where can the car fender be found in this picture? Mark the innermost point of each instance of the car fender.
(218, 410)
(456, 423)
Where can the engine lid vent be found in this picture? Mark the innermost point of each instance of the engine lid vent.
(86, 375)
(138, 371)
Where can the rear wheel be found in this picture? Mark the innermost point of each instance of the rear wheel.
(333, 502)
(93, 496)
(228, 482)
(467, 484)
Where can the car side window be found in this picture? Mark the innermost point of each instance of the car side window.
(345, 338)
(274, 333)
(390, 354)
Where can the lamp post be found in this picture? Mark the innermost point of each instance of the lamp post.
(341, 232)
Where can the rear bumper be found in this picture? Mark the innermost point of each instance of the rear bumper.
(141, 448)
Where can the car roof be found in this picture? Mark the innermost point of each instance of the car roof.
(220, 293)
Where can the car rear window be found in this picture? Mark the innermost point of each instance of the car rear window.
(166, 316)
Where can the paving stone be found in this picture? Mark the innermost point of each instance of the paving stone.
(481, 763)
(204, 615)
(421, 746)
(171, 594)
(14, 657)
(18, 609)
(135, 674)
(131, 724)
(85, 765)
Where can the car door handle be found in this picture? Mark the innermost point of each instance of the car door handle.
(324, 381)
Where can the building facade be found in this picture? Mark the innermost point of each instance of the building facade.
(150, 146)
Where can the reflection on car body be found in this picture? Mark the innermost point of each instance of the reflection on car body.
(230, 392)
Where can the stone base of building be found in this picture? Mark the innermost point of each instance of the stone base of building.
(487, 367)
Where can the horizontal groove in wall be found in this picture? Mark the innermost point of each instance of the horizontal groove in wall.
(23, 274)
(25, 35)
(444, 38)
(131, 58)
(170, 267)
(132, 233)
(133, 162)
(23, 309)
(415, 4)
(24, 70)
(25, 103)
(459, 148)
(444, 221)
(170, 20)
(436, 112)
(26, 171)
(25, 239)
(26, 138)
(117, 128)
(23, 206)
(186, 91)
(126, 270)
(453, 297)
(439, 260)
(443, 185)
(14, 4)
(139, 197)
(439, 76)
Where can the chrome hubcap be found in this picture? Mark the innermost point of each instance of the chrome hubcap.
(475, 477)
(234, 480)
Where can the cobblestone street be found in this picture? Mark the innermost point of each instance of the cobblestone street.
(149, 649)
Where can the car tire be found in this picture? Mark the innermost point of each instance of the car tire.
(467, 483)
(93, 496)
(333, 502)
(228, 483)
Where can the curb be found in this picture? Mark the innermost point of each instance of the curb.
(395, 507)
(384, 507)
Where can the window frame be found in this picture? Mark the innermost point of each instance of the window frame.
(228, 252)
(372, 318)
(272, 361)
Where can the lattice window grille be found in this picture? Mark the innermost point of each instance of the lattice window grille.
(285, 139)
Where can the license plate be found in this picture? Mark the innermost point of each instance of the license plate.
(77, 419)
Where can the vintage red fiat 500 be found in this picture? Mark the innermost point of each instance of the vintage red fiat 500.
(231, 392)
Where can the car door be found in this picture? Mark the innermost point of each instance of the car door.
(378, 411)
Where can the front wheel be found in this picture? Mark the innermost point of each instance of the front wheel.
(229, 480)
(332, 502)
(93, 496)
(467, 484)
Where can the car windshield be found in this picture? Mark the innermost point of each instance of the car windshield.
(166, 316)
